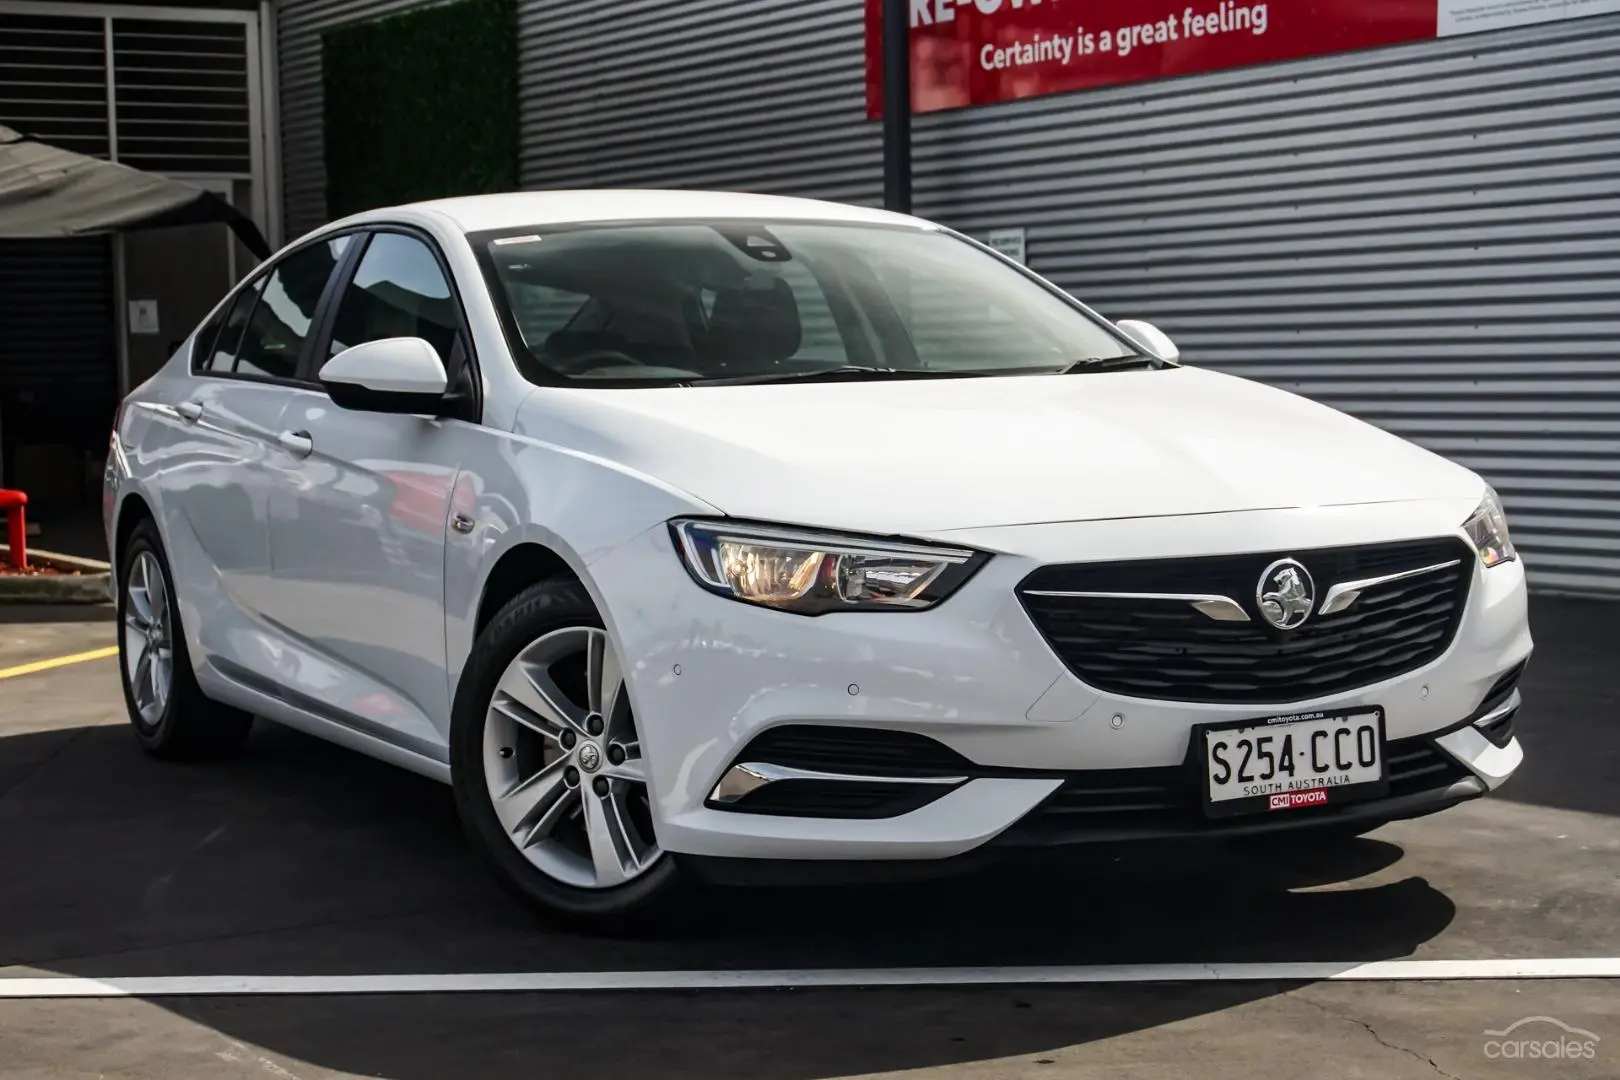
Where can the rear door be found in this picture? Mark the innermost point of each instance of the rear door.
(222, 464)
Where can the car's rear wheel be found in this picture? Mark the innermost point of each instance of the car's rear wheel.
(171, 717)
(547, 764)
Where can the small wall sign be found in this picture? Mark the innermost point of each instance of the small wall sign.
(1010, 242)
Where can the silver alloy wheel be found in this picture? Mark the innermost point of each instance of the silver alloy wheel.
(564, 766)
(148, 638)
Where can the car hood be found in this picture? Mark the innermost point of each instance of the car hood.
(930, 456)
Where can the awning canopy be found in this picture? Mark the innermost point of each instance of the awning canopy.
(48, 192)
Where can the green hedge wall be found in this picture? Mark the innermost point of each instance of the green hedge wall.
(421, 105)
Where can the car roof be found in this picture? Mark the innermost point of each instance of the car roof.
(476, 213)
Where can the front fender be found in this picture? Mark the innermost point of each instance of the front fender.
(577, 506)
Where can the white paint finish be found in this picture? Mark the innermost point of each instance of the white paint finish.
(406, 365)
(957, 823)
(1580, 967)
(337, 580)
(280, 711)
(358, 545)
(1156, 341)
(214, 484)
(977, 453)
(535, 491)
(1224, 533)
(964, 674)
(960, 674)
(473, 213)
(1491, 763)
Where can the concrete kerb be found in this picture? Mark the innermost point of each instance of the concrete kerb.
(89, 583)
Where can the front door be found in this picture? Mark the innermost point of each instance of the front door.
(359, 554)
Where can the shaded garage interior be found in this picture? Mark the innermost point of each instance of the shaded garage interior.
(84, 318)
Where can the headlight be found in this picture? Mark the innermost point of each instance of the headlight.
(812, 573)
(1487, 530)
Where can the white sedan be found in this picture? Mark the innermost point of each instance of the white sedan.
(714, 537)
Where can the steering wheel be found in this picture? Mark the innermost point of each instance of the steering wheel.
(598, 358)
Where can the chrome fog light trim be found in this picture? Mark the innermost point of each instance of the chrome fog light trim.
(748, 777)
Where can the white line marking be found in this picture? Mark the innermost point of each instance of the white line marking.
(575, 981)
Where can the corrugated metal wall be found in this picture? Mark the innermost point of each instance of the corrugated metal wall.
(764, 96)
(1427, 237)
(767, 96)
(298, 43)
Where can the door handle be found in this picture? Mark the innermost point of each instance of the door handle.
(296, 443)
(190, 411)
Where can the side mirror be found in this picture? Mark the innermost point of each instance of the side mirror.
(1151, 338)
(391, 375)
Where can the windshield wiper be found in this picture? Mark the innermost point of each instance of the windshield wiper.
(842, 373)
(1110, 363)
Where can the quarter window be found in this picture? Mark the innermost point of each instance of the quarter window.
(221, 343)
(399, 290)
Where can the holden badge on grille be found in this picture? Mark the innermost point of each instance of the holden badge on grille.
(1286, 594)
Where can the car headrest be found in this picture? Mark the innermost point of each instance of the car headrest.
(756, 322)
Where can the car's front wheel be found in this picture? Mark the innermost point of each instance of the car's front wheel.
(547, 766)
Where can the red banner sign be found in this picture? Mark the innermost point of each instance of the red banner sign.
(973, 52)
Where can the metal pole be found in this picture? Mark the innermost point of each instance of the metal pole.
(896, 106)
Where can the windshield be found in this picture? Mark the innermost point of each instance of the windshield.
(739, 301)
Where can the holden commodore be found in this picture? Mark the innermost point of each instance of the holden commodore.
(703, 537)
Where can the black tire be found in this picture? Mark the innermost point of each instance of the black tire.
(189, 726)
(653, 900)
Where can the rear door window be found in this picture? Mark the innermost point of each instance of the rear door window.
(274, 337)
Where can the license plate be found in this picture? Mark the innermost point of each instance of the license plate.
(1293, 762)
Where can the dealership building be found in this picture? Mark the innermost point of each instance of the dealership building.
(1416, 220)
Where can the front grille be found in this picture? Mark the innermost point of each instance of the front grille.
(1167, 650)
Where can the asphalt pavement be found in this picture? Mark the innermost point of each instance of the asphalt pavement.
(302, 859)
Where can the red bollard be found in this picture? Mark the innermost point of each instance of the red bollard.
(12, 502)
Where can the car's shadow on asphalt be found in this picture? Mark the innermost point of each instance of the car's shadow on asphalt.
(302, 858)
(798, 1035)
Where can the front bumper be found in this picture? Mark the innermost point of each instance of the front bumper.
(710, 675)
